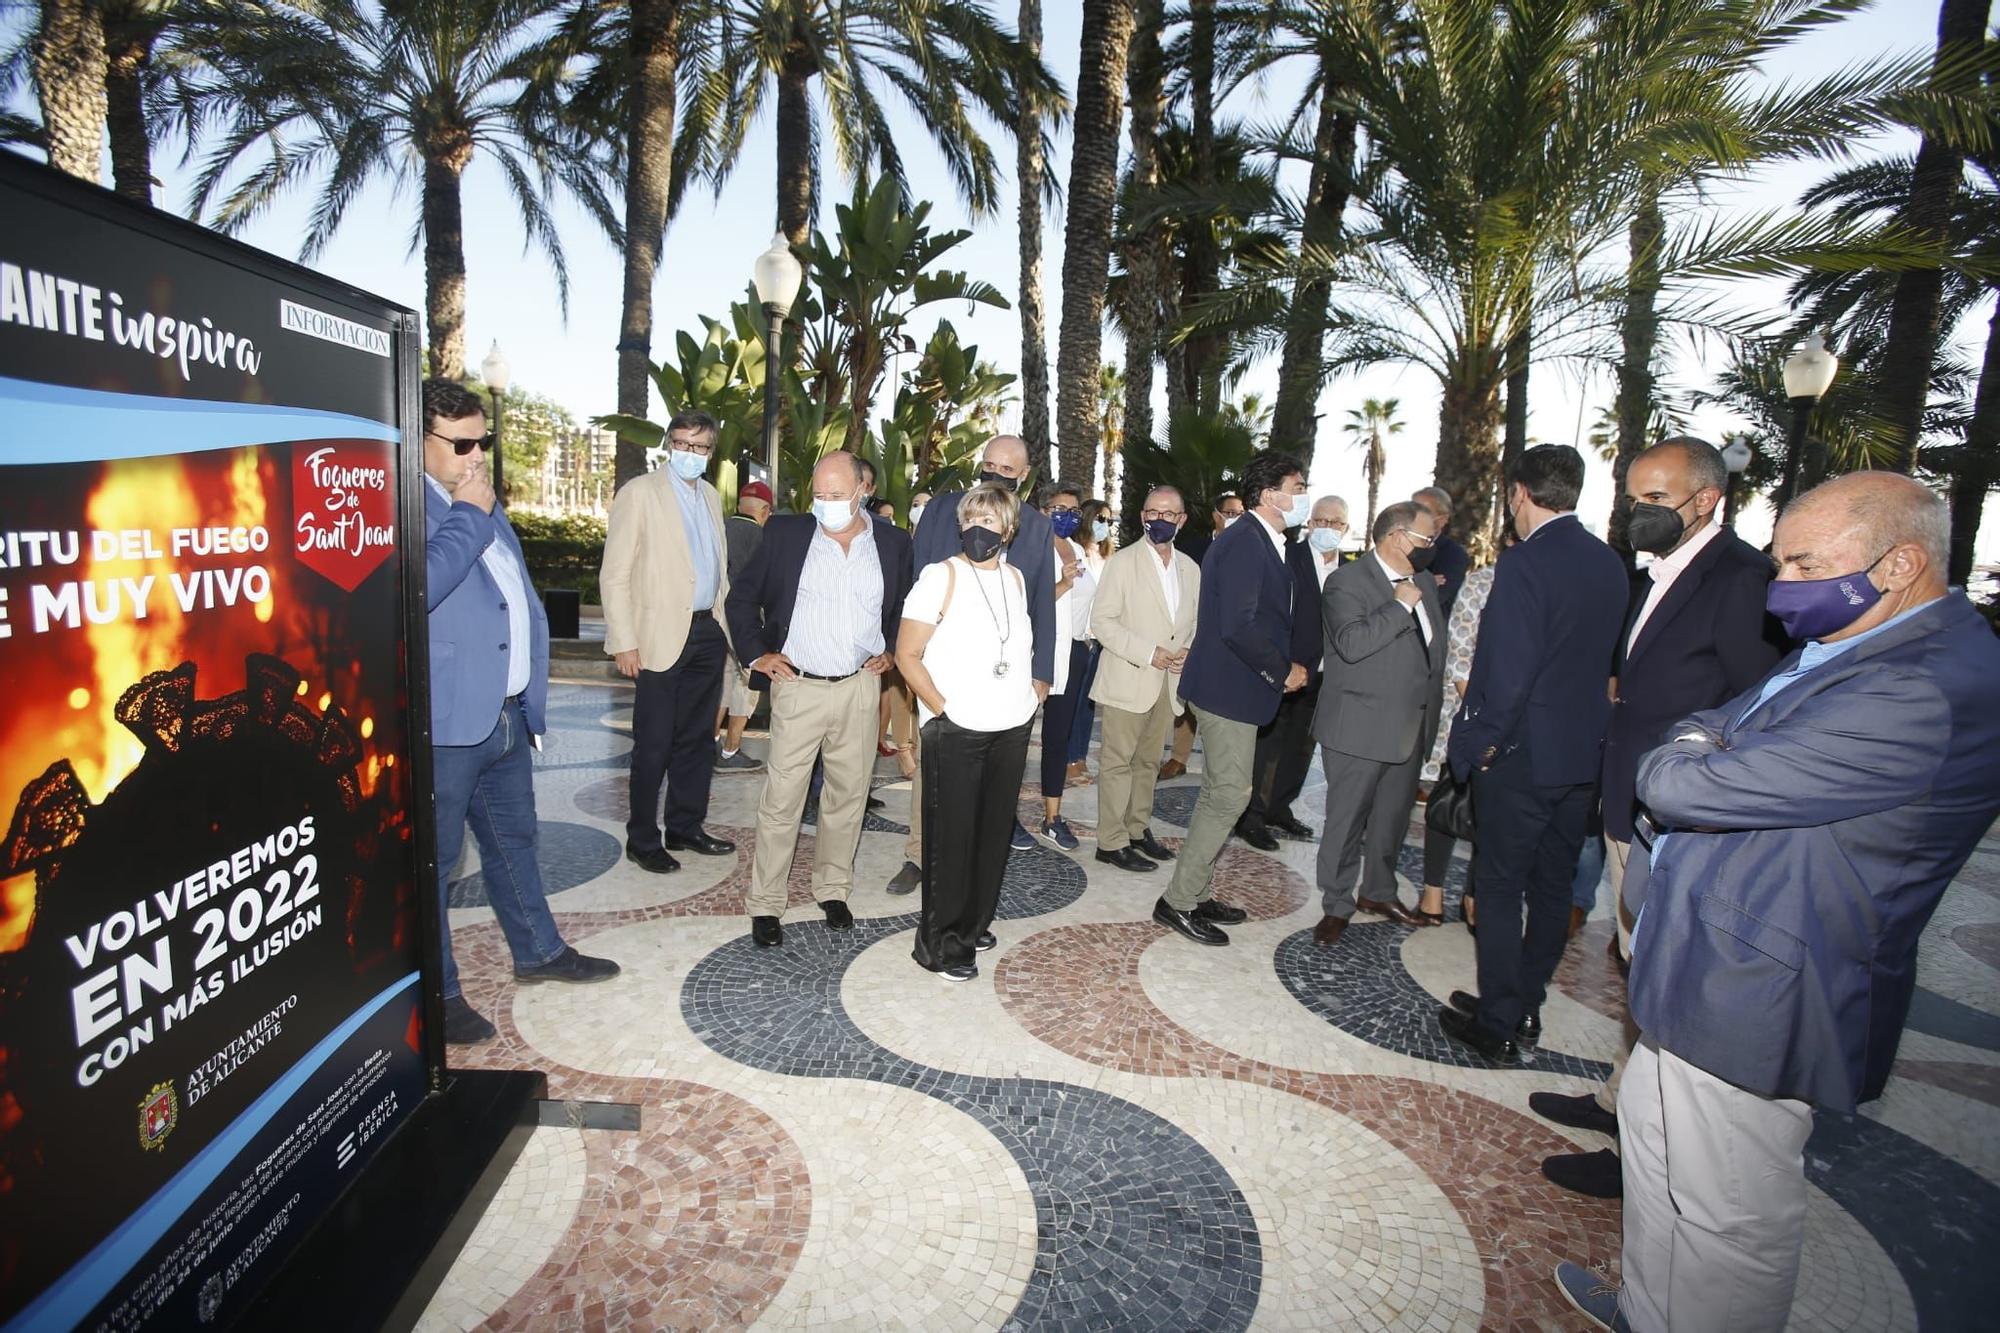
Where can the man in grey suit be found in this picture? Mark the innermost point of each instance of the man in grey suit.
(1384, 635)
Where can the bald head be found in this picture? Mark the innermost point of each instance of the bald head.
(837, 478)
(1886, 524)
(1006, 455)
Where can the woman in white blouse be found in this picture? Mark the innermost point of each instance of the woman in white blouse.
(1075, 586)
(967, 651)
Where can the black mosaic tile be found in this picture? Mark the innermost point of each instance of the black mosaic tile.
(1941, 1016)
(1137, 1225)
(870, 823)
(569, 855)
(1175, 804)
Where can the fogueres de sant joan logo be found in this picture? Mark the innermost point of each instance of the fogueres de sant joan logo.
(343, 508)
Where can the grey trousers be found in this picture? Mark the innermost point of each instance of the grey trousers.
(1368, 806)
(1229, 754)
(1715, 1199)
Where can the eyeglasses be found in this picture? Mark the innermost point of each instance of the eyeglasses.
(462, 447)
(1326, 523)
(1169, 514)
(1416, 536)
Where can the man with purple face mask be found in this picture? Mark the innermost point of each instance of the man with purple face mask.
(1801, 836)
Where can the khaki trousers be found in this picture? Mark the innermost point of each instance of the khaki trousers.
(836, 720)
(1715, 1200)
(1183, 738)
(1128, 768)
(1229, 751)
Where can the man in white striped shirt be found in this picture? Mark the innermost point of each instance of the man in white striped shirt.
(815, 614)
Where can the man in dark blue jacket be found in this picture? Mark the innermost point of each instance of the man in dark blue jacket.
(1810, 827)
(1531, 735)
(1239, 666)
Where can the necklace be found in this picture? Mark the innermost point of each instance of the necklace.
(1004, 629)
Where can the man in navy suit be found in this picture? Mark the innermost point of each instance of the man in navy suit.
(1531, 735)
(1238, 668)
(1696, 636)
(1003, 462)
(1808, 829)
(815, 616)
(489, 677)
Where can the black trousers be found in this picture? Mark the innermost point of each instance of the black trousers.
(1284, 756)
(971, 786)
(1525, 857)
(1437, 859)
(673, 738)
(1059, 715)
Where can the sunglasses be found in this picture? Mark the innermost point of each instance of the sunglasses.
(464, 447)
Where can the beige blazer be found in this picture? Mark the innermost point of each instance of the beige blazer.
(647, 578)
(1129, 620)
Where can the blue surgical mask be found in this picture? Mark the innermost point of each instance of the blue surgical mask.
(686, 465)
(1325, 540)
(1101, 530)
(1301, 510)
(1065, 522)
(833, 515)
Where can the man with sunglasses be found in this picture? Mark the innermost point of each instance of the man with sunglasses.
(489, 677)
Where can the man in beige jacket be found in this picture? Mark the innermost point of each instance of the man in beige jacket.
(664, 578)
(1143, 619)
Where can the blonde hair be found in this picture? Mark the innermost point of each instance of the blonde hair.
(987, 500)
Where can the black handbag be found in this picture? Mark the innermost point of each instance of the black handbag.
(1449, 810)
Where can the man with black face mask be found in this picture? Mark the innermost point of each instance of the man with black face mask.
(1003, 462)
(1696, 634)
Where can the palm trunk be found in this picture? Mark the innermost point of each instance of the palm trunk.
(1145, 251)
(444, 267)
(1639, 332)
(1468, 455)
(1093, 190)
(1204, 351)
(1914, 310)
(127, 56)
(1376, 462)
(1979, 463)
(1030, 170)
(795, 164)
(69, 64)
(1300, 369)
(1520, 356)
(652, 56)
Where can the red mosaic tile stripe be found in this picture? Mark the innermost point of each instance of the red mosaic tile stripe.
(1077, 988)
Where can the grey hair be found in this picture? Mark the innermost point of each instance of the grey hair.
(1704, 461)
(1438, 496)
(1174, 491)
(1888, 510)
(1394, 518)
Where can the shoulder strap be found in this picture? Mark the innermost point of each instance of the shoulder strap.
(950, 585)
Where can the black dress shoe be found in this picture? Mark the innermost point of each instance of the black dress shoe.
(656, 860)
(701, 844)
(1290, 827)
(1528, 1030)
(1598, 1174)
(875, 802)
(987, 940)
(766, 932)
(1149, 845)
(1125, 858)
(1462, 1029)
(569, 965)
(837, 915)
(1222, 914)
(464, 1025)
(1256, 835)
(1188, 924)
(1578, 1112)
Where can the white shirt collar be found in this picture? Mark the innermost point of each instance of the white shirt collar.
(1669, 567)
(1391, 574)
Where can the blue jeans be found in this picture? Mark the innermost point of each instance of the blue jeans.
(492, 784)
(1589, 870)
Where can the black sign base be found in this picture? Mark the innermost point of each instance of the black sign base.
(377, 1257)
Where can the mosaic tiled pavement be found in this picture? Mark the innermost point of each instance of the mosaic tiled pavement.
(1113, 1128)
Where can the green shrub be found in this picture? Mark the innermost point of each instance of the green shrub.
(563, 552)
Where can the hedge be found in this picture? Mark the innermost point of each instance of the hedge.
(562, 552)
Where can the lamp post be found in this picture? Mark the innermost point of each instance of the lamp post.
(496, 372)
(1735, 457)
(776, 275)
(1808, 375)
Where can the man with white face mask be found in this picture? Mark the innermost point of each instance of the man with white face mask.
(663, 578)
(816, 615)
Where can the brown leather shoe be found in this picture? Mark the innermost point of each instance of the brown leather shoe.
(1392, 909)
(1577, 916)
(1329, 930)
(1173, 768)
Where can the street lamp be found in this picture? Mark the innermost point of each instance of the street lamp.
(496, 372)
(1735, 457)
(1808, 375)
(776, 276)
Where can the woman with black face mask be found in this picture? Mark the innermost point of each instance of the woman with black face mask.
(966, 650)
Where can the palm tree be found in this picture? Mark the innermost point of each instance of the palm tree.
(1031, 179)
(1093, 191)
(1366, 426)
(1143, 251)
(68, 59)
(1111, 415)
(410, 89)
(942, 58)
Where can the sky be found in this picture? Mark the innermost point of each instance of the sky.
(512, 299)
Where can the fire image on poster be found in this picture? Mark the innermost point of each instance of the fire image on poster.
(209, 941)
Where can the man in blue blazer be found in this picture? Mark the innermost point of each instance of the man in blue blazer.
(1004, 462)
(489, 679)
(1809, 828)
(1238, 668)
(1531, 734)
